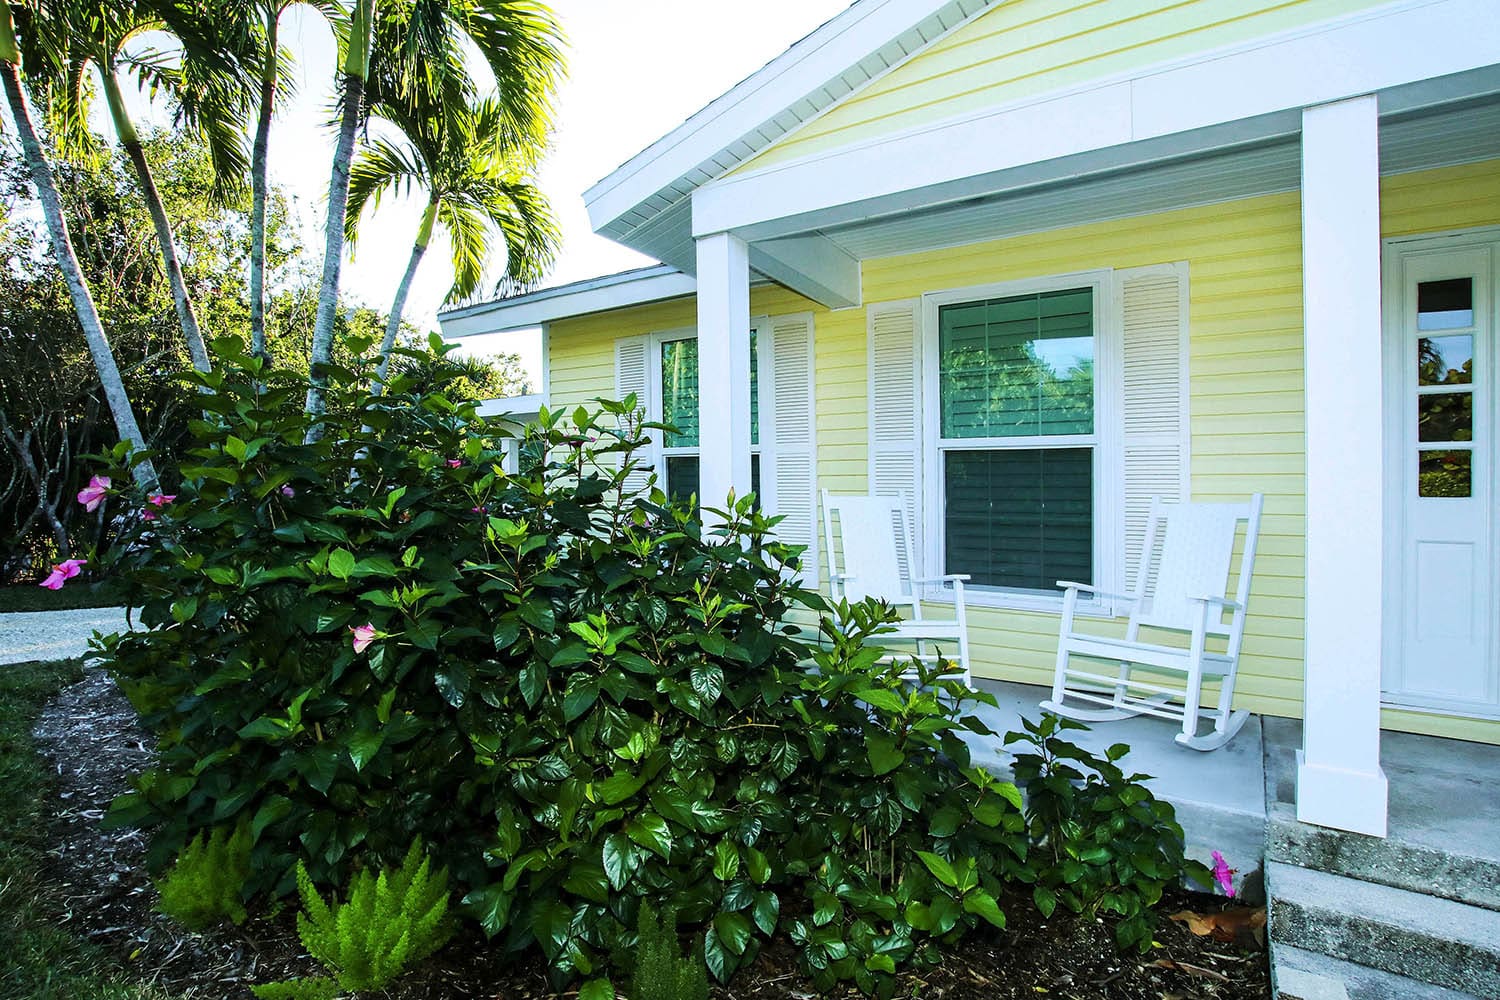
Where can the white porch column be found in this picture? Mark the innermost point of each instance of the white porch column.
(723, 367)
(1339, 780)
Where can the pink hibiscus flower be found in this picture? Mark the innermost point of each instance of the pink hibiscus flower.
(1223, 874)
(363, 635)
(92, 495)
(63, 571)
(161, 499)
(454, 463)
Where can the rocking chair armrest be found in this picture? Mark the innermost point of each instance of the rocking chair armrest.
(1091, 589)
(1224, 603)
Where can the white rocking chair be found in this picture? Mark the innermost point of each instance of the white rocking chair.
(1180, 588)
(875, 540)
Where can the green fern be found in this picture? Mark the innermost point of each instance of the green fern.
(662, 972)
(389, 922)
(206, 883)
(312, 988)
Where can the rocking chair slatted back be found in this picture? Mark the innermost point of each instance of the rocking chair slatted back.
(1193, 560)
(875, 542)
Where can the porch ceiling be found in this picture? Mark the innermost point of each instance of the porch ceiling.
(1449, 135)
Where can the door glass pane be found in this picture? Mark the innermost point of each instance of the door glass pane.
(1020, 518)
(1444, 473)
(1019, 366)
(1445, 360)
(1445, 416)
(1445, 305)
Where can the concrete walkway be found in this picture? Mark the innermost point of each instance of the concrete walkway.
(54, 635)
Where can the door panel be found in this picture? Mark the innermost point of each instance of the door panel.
(1441, 465)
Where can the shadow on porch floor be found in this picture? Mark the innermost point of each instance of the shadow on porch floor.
(1219, 796)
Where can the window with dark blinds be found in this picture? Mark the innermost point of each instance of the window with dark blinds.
(1016, 438)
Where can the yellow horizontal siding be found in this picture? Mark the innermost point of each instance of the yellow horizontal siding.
(1030, 47)
(1246, 384)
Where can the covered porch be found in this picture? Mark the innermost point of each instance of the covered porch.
(828, 227)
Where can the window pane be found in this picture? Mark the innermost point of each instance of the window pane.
(1018, 366)
(1445, 305)
(1444, 473)
(1445, 416)
(1020, 518)
(1445, 360)
(683, 477)
(679, 392)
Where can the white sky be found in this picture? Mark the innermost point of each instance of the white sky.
(636, 70)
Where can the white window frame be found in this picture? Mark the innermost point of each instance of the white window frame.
(1106, 441)
(660, 451)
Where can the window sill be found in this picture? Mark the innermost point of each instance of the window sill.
(976, 597)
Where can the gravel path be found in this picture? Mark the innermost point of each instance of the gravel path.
(54, 635)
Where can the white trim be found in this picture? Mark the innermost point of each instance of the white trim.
(726, 131)
(1443, 712)
(611, 291)
(1341, 798)
(1108, 455)
(1398, 44)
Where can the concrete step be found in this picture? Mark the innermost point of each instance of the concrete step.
(1432, 940)
(1297, 974)
(1449, 872)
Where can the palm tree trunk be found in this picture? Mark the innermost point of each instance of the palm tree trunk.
(258, 165)
(62, 245)
(129, 139)
(356, 65)
(393, 323)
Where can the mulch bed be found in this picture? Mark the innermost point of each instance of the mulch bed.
(90, 736)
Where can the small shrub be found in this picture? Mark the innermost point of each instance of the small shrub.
(206, 883)
(1105, 844)
(389, 922)
(662, 972)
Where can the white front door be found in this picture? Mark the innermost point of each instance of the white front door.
(1441, 367)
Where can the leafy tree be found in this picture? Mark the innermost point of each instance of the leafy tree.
(414, 52)
(102, 39)
(62, 245)
(476, 184)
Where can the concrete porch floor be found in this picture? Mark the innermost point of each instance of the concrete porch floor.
(1219, 796)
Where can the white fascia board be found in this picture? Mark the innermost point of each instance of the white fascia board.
(1394, 45)
(652, 284)
(809, 64)
(521, 407)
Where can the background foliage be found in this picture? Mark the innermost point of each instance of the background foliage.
(51, 408)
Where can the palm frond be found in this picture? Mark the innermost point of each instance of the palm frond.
(382, 166)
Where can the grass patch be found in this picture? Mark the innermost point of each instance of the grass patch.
(30, 597)
(38, 961)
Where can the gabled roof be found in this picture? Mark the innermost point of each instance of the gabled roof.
(646, 203)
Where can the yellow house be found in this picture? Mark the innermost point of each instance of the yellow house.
(1267, 239)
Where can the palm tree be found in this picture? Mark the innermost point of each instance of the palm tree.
(477, 185)
(62, 245)
(403, 48)
(94, 34)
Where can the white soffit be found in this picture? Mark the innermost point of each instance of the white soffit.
(1462, 133)
(845, 54)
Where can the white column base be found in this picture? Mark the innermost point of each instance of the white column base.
(1344, 800)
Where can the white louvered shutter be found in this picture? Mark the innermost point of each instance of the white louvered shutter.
(896, 412)
(1154, 304)
(787, 411)
(633, 374)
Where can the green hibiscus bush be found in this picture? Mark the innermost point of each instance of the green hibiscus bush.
(579, 698)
